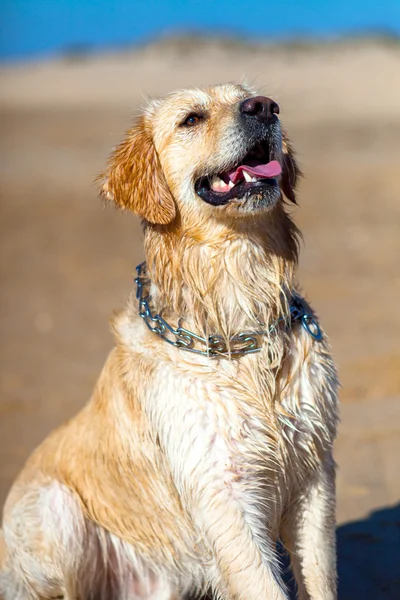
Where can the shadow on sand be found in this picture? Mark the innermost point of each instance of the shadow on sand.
(368, 558)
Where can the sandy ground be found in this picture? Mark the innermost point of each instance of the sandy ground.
(66, 262)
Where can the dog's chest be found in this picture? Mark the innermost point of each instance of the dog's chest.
(203, 422)
(227, 435)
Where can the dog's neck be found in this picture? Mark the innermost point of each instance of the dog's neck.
(223, 279)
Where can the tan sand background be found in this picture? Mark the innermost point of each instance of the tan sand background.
(67, 262)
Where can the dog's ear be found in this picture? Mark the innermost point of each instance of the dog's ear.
(135, 180)
(290, 172)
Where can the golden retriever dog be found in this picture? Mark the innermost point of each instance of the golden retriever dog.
(209, 434)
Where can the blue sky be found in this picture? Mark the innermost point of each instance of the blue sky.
(36, 28)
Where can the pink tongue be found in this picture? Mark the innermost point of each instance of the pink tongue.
(271, 169)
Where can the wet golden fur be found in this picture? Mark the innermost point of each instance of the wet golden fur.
(182, 471)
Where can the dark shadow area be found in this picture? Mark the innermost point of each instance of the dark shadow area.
(368, 558)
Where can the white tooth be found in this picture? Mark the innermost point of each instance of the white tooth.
(254, 178)
(247, 176)
(217, 182)
(231, 184)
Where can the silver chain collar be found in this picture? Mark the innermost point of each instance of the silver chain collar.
(247, 342)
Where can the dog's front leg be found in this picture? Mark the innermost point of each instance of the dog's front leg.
(243, 568)
(222, 492)
(308, 533)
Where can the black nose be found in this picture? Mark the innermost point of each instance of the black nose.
(261, 108)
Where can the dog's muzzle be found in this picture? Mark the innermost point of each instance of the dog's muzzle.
(258, 171)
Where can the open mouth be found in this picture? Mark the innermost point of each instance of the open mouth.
(254, 174)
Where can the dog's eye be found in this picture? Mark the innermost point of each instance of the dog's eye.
(192, 119)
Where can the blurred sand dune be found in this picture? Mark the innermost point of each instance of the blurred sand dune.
(356, 79)
(66, 263)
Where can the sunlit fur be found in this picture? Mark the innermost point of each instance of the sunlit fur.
(183, 471)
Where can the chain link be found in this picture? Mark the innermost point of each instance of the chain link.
(215, 345)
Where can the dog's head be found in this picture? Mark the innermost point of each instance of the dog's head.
(221, 148)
